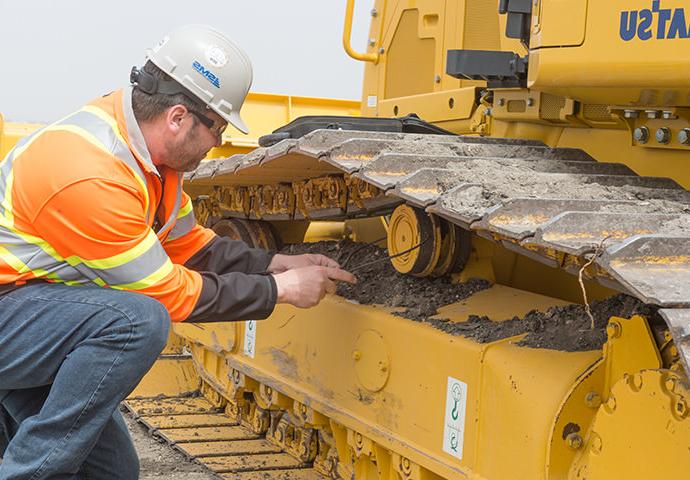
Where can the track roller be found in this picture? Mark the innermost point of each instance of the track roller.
(443, 247)
(255, 233)
(407, 228)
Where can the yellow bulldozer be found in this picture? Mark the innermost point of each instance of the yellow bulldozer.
(512, 194)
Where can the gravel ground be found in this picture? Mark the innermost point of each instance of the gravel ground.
(160, 461)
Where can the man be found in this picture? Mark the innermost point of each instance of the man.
(99, 251)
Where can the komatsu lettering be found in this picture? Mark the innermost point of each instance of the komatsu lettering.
(662, 23)
(206, 73)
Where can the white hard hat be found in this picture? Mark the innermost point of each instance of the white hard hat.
(209, 65)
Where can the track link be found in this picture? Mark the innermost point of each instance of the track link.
(204, 433)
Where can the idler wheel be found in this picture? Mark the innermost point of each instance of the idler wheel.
(409, 227)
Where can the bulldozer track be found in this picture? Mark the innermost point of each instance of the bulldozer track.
(555, 205)
(204, 433)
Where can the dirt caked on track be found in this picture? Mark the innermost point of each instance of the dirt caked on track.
(566, 328)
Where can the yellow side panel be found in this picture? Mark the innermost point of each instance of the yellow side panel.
(410, 64)
(169, 376)
(559, 23)
(631, 54)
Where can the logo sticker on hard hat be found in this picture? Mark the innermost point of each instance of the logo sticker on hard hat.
(208, 74)
(216, 56)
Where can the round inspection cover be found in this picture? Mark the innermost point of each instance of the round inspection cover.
(372, 360)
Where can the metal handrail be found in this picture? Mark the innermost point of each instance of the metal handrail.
(347, 37)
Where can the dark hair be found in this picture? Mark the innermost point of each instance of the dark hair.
(149, 106)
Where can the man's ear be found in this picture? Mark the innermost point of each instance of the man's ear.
(175, 117)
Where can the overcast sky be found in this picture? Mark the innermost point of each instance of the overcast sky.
(59, 54)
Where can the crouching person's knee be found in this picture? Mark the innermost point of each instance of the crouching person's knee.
(149, 321)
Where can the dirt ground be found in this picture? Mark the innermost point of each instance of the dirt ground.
(159, 461)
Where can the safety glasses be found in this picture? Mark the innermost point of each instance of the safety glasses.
(215, 129)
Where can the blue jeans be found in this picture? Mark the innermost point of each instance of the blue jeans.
(68, 357)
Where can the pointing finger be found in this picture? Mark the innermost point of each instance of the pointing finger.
(341, 275)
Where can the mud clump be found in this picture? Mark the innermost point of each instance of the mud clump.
(379, 283)
(566, 328)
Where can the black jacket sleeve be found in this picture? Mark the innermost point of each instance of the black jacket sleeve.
(234, 296)
(235, 285)
(223, 255)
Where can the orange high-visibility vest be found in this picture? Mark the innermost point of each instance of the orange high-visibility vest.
(135, 226)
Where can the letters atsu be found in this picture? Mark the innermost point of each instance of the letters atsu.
(665, 23)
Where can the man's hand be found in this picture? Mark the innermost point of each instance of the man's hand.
(304, 287)
(282, 263)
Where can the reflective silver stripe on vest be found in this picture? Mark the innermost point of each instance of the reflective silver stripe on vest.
(136, 269)
(183, 226)
(36, 259)
(48, 262)
(104, 134)
(176, 208)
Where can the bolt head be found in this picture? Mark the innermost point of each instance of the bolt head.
(574, 441)
(437, 79)
(356, 355)
(374, 12)
(684, 136)
(372, 42)
(681, 408)
(593, 400)
(530, 102)
(382, 50)
(631, 114)
(641, 134)
(663, 135)
(501, 102)
(613, 330)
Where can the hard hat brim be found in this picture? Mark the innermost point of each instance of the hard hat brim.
(236, 121)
